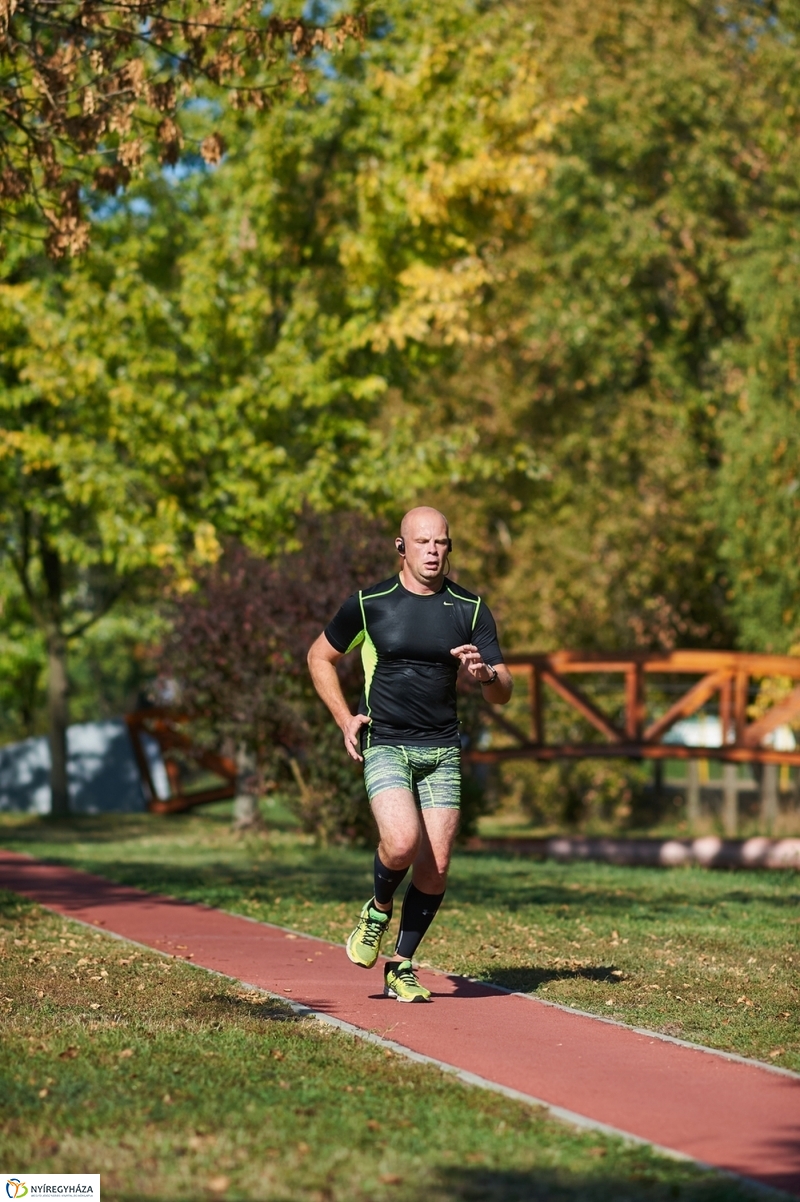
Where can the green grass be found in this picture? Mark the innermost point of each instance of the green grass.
(176, 1084)
(710, 957)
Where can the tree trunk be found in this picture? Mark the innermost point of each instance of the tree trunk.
(58, 718)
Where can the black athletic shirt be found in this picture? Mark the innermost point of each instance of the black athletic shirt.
(409, 673)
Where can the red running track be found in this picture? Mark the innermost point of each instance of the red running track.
(739, 1117)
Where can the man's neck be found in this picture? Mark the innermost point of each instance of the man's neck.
(413, 585)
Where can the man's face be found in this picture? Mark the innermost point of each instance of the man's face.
(426, 542)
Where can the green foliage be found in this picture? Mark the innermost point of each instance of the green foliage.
(758, 496)
(536, 263)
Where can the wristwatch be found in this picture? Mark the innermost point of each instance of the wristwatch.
(493, 677)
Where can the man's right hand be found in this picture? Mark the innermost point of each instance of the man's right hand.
(352, 736)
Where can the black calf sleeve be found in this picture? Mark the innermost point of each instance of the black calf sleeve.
(419, 911)
(386, 881)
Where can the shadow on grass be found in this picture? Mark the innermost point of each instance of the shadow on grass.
(645, 1183)
(341, 875)
(464, 1184)
(97, 828)
(528, 980)
(262, 1009)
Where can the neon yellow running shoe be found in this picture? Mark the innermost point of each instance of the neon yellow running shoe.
(400, 982)
(364, 945)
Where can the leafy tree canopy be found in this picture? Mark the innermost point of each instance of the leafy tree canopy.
(91, 88)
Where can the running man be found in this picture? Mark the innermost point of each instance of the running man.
(414, 631)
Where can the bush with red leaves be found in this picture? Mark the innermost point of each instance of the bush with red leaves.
(238, 655)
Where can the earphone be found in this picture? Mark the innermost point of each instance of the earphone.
(401, 546)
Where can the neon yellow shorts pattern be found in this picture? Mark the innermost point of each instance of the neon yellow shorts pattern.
(432, 774)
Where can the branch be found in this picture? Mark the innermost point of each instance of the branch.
(82, 627)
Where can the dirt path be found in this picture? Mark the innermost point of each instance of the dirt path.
(736, 1115)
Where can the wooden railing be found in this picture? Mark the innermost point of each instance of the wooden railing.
(163, 725)
(725, 678)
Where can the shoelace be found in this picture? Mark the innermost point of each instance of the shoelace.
(373, 929)
(407, 976)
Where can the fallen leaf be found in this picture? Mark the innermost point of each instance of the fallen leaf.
(776, 1052)
(68, 1054)
(303, 1149)
(218, 1185)
(94, 1005)
(290, 936)
(284, 1085)
(277, 1055)
(126, 1053)
(394, 1178)
(43, 1093)
(373, 1124)
(167, 1100)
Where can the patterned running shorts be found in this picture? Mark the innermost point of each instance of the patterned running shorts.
(432, 774)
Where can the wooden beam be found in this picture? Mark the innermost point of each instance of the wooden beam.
(583, 705)
(780, 714)
(686, 705)
(694, 662)
(135, 732)
(505, 724)
(636, 751)
(634, 701)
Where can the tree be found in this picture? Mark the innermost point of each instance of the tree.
(499, 259)
(221, 358)
(83, 518)
(90, 88)
(604, 345)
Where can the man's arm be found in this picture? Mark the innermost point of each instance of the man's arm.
(322, 661)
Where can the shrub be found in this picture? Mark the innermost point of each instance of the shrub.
(237, 654)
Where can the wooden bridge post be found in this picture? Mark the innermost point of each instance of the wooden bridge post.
(537, 706)
(634, 702)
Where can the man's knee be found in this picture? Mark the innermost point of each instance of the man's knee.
(399, 848)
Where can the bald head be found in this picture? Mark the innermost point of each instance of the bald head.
(423, 515)
(423, 543)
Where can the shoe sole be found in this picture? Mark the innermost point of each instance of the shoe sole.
(387, 992)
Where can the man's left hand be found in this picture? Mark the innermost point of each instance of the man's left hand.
(472, 660)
